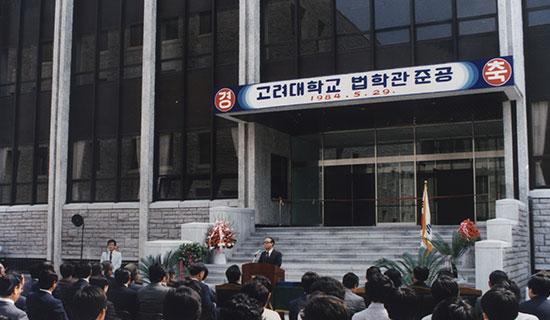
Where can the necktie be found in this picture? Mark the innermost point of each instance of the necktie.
(110, 256)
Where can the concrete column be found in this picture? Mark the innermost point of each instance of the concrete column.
(147, 119)
(511, 43)
(508, 149)
(249, 72)
(242, 155)
(251, 165)
(59, 125)
(489, 257)
(249, 41)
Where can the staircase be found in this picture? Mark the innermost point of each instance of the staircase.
(332, 251)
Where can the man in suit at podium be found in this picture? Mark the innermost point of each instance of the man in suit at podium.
(270, 255)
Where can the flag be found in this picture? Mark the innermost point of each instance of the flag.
(426, 233)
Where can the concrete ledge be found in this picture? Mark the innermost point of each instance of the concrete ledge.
(194, 204)
(154, 248)
(509, 209)
(24, 256)
(492, 244)
(242, 220)
(101, 206)
(500, 229)
(24, 208)
(195, 231)
(540, 193)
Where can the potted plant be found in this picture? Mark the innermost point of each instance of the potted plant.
(220, 237)
(407, 262)
(460, 252)
(187, 254)
(167, 261)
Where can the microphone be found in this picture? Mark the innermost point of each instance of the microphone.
(257, 256)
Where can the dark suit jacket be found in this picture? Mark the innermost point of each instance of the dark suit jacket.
(296, 305)
(275, 258)
(225, 292)
(44, 306)
(207, 302)
(538, 306)
(62, 286)
(124, 299)
(67, 297)
(151, 301)
(135, 286)
(10, 311)
(21, 303)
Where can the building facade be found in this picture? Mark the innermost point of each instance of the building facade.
(106, 110)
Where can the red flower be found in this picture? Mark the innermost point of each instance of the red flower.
(221, 236)
(468, 230)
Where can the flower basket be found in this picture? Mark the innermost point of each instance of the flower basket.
(220, 237)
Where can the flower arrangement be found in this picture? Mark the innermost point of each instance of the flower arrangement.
(186, 255)
(468, 232)
(221, 235)
(464, 238)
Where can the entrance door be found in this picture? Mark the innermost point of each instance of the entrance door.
(451, 190)
(349, 193)
(306, 208)
(455, 190)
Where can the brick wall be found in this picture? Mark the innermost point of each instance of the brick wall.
(23, 232)
(516, 258)
(541, 229)
(121, 224)
(165, 223)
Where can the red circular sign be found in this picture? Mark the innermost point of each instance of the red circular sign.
(225, 99)
(497, 72)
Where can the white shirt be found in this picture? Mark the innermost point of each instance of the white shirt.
(525, 316)
(7, 300)
(116, 260)
(44, 290)
(270, 315)
(375, 311)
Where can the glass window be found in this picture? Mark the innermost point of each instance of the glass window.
(105, 119)
(537, 3)
(433, 10)
(352, 16)
(540, 142)
(24, 46)
(391, 13)
(472, 8)
(185, 167)
(353, 40)
(278, 40)
(538, 18)
(316, 38)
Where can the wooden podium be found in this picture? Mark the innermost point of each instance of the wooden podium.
(272, 272)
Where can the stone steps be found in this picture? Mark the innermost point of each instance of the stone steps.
(332, 251)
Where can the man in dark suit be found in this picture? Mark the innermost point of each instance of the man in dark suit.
(10, 290)
(135, 283)
(198, 272)
(82, 273)
(296, 305)
(224, 292)
(41, 304)
(67, 271)
(151, 297)
(124, 298)
(539, 290)
(270, 255)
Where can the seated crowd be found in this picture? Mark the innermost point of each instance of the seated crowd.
(91, 292)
